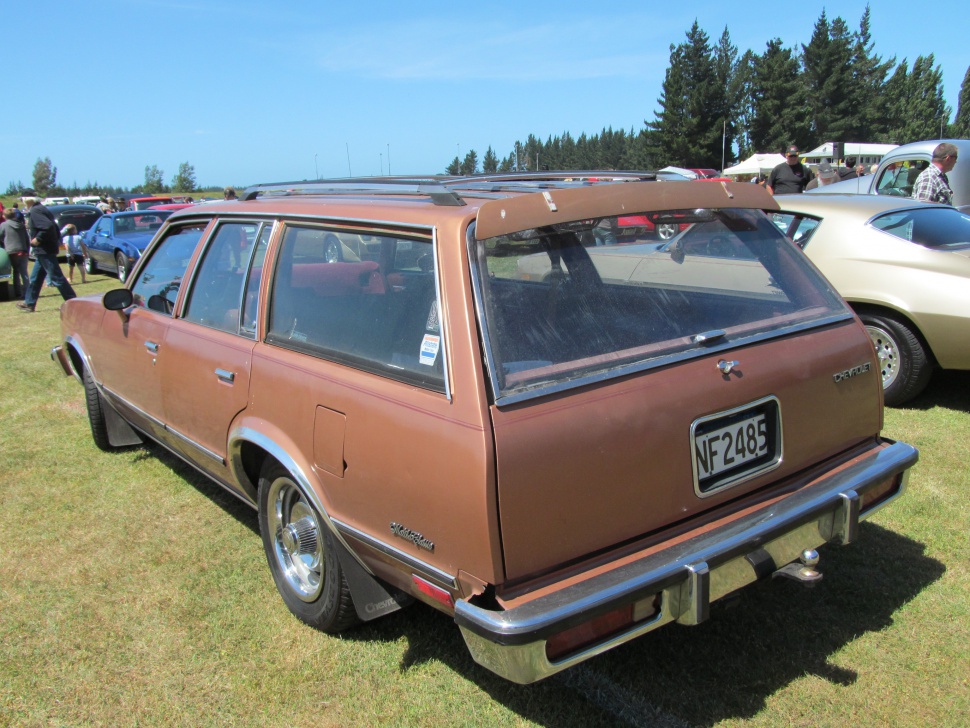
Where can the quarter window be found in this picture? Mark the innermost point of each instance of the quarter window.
(368, 301)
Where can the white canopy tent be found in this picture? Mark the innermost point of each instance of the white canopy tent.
(755, 164)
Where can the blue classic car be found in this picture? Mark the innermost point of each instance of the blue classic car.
(116, 241)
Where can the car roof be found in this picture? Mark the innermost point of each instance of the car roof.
(927, 146)
(501, 203)
(847, 204)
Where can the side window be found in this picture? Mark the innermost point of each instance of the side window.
(898, 178)
(160, 277)
(217, 292)
(362, 300)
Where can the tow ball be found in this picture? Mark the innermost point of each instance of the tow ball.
(803, 571)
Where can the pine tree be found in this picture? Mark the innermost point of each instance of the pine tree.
(489, 161)
(686, 131)
(870, 81)
(779, 101)
(729, 85)
(470, 163)
(827, 60)
(960, 128)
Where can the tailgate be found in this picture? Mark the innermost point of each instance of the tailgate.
(616, 461)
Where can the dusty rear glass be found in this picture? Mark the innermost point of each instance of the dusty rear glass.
(574, 302)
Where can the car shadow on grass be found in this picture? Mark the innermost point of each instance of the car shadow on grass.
(754, 645)
(948, 389)
(726, 668)
(242, 512)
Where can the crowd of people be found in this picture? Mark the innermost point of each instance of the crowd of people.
(793, 176)
(36, 233)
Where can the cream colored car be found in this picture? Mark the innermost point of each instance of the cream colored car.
(904, 266)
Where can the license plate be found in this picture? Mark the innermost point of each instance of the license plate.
(734, 446)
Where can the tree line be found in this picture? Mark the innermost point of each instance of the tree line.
(45, 182)
(718, 106)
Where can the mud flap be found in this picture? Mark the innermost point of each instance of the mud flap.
(372, 597)
(120, 433)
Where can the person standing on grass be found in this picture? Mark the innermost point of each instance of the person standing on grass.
(45, 241)
(77, 251)
(13, 238)
(789, 177)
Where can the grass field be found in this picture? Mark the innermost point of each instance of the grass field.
(134, 593)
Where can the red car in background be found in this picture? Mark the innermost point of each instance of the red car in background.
(143, 203)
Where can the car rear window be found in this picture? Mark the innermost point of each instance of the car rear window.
(932, 227)
(570, 303)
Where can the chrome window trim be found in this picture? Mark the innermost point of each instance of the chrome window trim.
(442, 324)
(381, 369)
(667, 360)
(282, 217)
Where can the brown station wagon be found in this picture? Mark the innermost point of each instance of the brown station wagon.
(466, 392)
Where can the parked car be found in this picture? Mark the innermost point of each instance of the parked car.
(899, 169)
(904, 267)
(559, 465)
(116, 242)
(50, 201)
(143, 203)
(81, 216)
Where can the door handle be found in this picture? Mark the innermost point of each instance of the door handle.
(151, 346)
(226, 376)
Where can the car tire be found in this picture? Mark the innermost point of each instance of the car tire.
(123, 266)
(89, 265)
(95, 406)
(331, 249)
(667, 230)
(302, 553)
(904, 365)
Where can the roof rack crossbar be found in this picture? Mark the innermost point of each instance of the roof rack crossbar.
(427, 187)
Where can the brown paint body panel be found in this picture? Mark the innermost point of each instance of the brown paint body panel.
(585, 471)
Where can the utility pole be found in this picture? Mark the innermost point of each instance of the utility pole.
(349, 171)
(316, 170)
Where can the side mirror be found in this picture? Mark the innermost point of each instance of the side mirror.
(118, 299)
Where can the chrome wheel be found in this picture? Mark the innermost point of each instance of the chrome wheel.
(666, 231)
(887, 351)
(297, 539)
(122, 261)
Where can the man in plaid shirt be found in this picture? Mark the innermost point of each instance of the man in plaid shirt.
(932, 184)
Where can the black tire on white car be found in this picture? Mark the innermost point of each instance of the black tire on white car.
(904, 364)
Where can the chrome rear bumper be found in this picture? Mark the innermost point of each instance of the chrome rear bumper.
(687, 577)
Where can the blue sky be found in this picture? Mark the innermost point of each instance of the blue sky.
(250, 91)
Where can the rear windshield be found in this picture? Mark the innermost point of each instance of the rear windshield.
(931, 227)
(575, 302)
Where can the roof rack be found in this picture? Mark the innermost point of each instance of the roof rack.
(430, 187)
